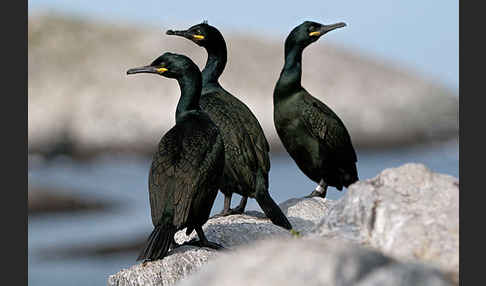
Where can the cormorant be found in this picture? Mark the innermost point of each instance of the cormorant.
(310, 131)
(246, 149)
(188, 166)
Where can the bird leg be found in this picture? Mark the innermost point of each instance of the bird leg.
(203, 241)
(320, 191)
(227, 210)
(241, 207)
(227, 205)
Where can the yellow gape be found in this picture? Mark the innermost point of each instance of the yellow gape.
(316, 33)
(161, 70)
(198, 37)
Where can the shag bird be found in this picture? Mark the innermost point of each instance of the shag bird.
(246, 149)
(310, 131)
(188, 165)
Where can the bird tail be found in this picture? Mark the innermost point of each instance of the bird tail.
(268, 205)
(158, 243)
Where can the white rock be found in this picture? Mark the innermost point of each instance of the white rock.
(167, 271)
(311, 262)
(399, 228)
(407, 212)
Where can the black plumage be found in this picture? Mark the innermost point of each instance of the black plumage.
(188, 165)
(310, 131)
(246, 149)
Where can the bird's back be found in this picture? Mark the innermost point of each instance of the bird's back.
(254, 129)
(246, 148)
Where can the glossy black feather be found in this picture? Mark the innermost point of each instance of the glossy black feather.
(313, 135)
(246, 148)
(187, 168)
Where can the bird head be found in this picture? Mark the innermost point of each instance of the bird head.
(168, 65)
(309, 32)
(202, 34)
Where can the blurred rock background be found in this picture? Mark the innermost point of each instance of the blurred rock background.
(81, 102)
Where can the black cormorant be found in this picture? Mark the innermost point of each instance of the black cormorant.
(310, 131)
(188, 165)
(246, 149)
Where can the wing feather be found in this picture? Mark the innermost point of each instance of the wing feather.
(241, 160)
(179, 166)
(323, 124)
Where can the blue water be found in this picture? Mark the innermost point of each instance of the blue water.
(124, 180)
(420, 35)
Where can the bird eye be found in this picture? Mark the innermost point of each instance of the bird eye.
(312, 28)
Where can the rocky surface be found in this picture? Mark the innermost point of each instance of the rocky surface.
(408, 212)
(180, 263)
(80, 99)
(399, 228)
(312, 262)
(232, 231)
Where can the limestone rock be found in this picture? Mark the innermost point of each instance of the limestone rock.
(231, 232)
(399, 228)
(311, 262)
(178, 264)
(235, 230)
(407, 212)
(305, 213)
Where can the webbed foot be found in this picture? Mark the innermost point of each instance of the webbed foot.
(200, 243)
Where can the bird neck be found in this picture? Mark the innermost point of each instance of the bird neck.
(291, 75)
(217, 56)
(190, 85)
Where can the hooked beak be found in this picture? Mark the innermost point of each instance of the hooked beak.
(185, 34)
(327, 28)
(147, 69)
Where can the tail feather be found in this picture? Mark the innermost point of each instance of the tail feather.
(158, 243)
(268, 205)
(189, 230)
